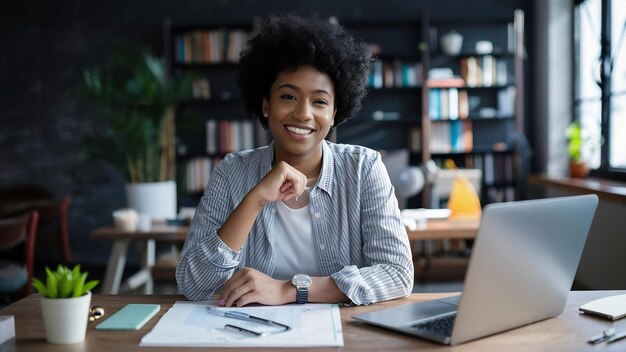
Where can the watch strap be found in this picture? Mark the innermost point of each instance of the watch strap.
(302, 294)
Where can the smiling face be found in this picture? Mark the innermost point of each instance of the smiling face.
(300, 111)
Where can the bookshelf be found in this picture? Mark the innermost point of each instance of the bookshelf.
(475, 108)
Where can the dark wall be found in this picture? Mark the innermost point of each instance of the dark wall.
(44, 46)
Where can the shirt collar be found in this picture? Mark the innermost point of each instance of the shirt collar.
(325, 181)
(327, 173)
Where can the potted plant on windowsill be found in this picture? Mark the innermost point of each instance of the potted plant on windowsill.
(137, 100)
(578, 166)
(65, 300)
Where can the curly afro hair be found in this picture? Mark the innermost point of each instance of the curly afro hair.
(287, 42)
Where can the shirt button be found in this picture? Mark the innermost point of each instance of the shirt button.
(273, 211)
(322, 246)
(317, 215)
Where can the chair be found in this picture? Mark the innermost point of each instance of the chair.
(17, 273)
(53, 216)
(53, 213)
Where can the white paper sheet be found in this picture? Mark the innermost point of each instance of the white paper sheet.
(191, 324)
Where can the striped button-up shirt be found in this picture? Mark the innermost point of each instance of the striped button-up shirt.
(359, 237)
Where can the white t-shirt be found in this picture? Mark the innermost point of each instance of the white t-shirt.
(294, 243)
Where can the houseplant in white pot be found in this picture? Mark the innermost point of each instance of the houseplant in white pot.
(134, 94)
(65, 300)
(578, 166)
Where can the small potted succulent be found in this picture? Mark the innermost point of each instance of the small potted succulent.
(65, 300)
(577, 165)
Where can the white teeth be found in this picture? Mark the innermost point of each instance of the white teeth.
(297, 130)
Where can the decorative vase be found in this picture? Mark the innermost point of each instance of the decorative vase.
(156, 199)
(65, 319)
(451, 43)
(578, 169)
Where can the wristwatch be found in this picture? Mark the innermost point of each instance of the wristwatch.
(302, 282)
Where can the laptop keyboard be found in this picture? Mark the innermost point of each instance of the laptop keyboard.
(441, 326)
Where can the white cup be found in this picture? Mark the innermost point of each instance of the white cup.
(125, 219)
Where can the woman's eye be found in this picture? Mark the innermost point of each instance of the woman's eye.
(322, 102)
(288, 97)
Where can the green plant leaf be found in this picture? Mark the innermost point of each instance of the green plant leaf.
(90, 285)
(76, 270)
(66, 285)
(132, 91)
(79, 285)
(51, 284)
(40, 287)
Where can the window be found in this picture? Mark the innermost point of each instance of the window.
(600, 76)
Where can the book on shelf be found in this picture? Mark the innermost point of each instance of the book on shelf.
(226, 136)
(433, 104)
(448, 104)
(488, 68)
(484, 71)
(444, 104)
(463, 104)
(395, 74)
(197, 172)
(376, 75)
(209, 46)
(453, 103)
(451, 136)
(211, 137)
(488, 170)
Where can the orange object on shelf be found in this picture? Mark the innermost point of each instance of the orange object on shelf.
(463, 202)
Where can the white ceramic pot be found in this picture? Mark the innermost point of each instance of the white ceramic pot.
(451, 43)
(155, 199)
(65, 319)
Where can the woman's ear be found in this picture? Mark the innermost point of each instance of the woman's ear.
(332, 121)
(266, 108)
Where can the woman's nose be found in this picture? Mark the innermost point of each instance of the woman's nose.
(304, 111)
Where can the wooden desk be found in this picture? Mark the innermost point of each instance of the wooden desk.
(567, 332)
(442, 267)
(435, 230)
(117, 260)
(447, 229)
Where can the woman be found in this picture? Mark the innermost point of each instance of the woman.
(303, 219)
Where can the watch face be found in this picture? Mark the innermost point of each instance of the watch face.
(301, 280)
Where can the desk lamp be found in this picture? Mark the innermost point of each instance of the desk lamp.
(463, 202)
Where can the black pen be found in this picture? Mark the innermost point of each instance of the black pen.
(242, 330)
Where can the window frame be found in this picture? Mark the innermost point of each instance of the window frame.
(604, 170)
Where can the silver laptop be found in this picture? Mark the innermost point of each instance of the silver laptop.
(522, 267)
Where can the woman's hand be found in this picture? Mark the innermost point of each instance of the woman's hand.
(283, 182)
(252, 286)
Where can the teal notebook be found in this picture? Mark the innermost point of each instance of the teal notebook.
(131, 317)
